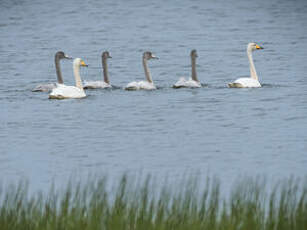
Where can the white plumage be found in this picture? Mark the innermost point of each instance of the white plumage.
(64, 91)
(245, 83)
(96, 85)
(252, 81)
(190, 83)
(137, 85)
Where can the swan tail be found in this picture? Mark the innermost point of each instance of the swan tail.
(235, 85)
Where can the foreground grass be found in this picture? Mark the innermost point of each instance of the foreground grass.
(138, 205)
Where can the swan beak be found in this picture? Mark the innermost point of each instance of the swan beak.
(68, 57)
(83, 64)
(259, 47)
(154, 57)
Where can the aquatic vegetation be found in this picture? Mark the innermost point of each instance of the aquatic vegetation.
(143, 205)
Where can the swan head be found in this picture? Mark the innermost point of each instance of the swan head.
(149, 55)
(79, 62)
(106, 55)
(253, 46)
(194, 54)
(62, 55)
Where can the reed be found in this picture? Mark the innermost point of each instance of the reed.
(133, 205)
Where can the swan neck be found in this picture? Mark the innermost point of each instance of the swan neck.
(105, 70)
(146, 70)
(77, 76)
(194, 74)
(58, 70)
(253, 73)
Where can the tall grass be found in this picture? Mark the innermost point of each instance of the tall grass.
(143, 205)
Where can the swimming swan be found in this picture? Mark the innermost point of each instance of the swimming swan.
(48, 87)
(252, 81)
(147, 85)
(63, 91)
(192, 82)
(100, 84)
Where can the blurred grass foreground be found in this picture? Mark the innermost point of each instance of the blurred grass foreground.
(145, 205)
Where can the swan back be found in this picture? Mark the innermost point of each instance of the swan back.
(66, 92)
(245, 83)
(140, 85)
(44, 87)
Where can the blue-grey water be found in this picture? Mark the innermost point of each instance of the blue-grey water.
(166, 132)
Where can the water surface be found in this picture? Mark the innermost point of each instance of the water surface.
(167, 132)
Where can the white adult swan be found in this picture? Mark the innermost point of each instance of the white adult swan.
(48, 87)
(252, 81)
(63, 91)
(147, 85)
(193, 82)
(106, 82)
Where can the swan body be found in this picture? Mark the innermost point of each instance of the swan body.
(190, 83)
(144, 85)
(137, 85)
(245, 82)
(44, 87)
(96, 85)
(193, 82)
(50, 86)
(252, 81)
(105, 84)
(64, 91)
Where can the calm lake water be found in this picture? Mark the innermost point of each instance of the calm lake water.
(167, 132)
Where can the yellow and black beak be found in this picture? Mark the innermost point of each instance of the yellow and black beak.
(82, 63)
(259, 47)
